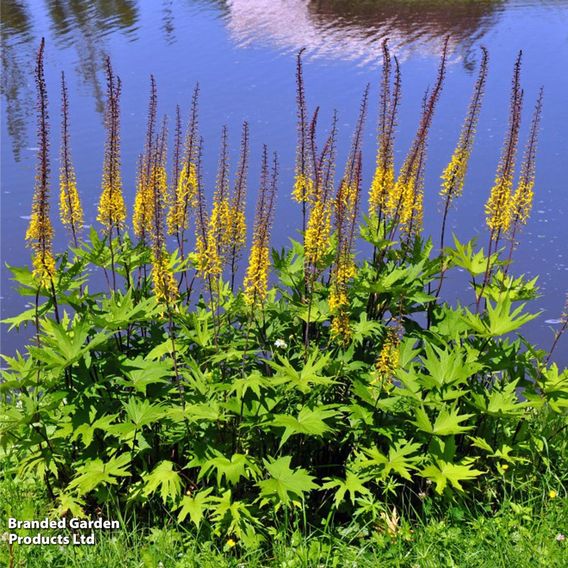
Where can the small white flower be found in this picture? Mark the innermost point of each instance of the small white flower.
(560, 537)
(280, 343)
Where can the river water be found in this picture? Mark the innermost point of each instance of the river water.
(242, 52)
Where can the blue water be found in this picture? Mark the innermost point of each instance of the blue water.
(243, 55)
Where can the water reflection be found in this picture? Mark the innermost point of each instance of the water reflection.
(349, 29)
(15, 31)
(345, 29)
(74, 24)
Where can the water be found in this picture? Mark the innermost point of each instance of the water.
(242, 52)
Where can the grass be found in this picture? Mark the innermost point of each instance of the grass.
(517, 535)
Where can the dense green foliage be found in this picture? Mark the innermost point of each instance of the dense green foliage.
(244, 421)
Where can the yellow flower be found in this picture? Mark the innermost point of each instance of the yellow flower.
(316, 239)
(453, 176)
(184, 198)
(70, 209)
(388, 360)
(69, 202)
(382, 188)
(303, 188)
(498, 206)
(40, 231)
(112, 211)
(43, 268)
(231, 543)
(256, 279)
(165, 285)
(552, 494)
(341, 327)
(504, 467)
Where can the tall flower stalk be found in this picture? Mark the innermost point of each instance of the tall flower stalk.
(303, 179)
(318, 229)
(165, 285)
(214, 249)
(184, 198)
(70, 209)
(498, 209)
(39, 234)
(237, 216)
(382, 186)
(453, 177)
(522, 198)
(143, 216)
(405, 204)
(112, 210)
(256, 279)
(346, 209)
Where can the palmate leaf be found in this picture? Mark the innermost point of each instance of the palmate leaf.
(224, 509)
(120, 310)
(94, 472)
(195, 506)
(499, 319)
(254, 382)
(554, 385)
(209, 412)
(70, 504)
(231, 469)
(64, 345)
(464, 257)
(402, 459)
(501, 400)
(86, 431)
(447, 423)
(164, 478)
(308, 421)
(442, 473)
(285, 483)
(352, 484)
(141, 372)
(310, 374)
(142, 413)
(447, 367)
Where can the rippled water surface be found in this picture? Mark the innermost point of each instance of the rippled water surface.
(242, 53)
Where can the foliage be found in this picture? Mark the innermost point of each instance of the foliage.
(255, 425)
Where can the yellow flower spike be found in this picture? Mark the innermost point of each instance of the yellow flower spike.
(184, 197)
(71, 212)
(318, 230)
(303, 188)
(40, 230)
(388, 360)
(165, 285)
(383, 182)
(112, 210)
(521, 201)
(256, 279)
(382, 188)
(498, 208)
(454, 174)
(341, 327)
